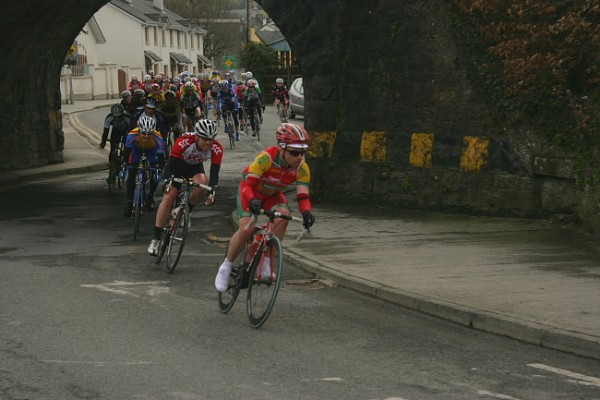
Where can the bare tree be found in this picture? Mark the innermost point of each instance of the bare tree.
(225, 31)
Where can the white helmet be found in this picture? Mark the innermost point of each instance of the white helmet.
(206, 129)
(146, 124)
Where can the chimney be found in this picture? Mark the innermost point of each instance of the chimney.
(158, 4)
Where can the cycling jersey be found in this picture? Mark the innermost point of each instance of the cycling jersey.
(227, 98)
(153, 146)
(190, 100)
(274, 177)
(186, 150)
(280, 93)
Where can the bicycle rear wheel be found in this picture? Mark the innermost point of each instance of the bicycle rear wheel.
(257, 125)
(263, 288)
(178, 236)
(227, 299)
(138, 203)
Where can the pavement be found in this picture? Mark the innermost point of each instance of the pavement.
(537, 281)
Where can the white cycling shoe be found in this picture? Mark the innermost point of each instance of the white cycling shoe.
(222, 278)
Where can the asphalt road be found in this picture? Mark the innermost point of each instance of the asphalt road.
(85, 314)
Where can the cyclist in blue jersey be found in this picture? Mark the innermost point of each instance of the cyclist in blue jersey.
(227, 101)
(144, 139)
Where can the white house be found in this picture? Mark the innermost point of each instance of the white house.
(131, 37)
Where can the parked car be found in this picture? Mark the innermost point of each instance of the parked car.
(296, 91)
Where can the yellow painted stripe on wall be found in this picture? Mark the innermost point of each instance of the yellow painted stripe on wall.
(372, 146)
(475, 154)
(421, 147)
(321, 144)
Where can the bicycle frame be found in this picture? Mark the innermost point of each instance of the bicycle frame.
(249, 271)
(175, 230)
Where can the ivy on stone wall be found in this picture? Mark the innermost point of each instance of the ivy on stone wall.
(256, 57)
(539, 61)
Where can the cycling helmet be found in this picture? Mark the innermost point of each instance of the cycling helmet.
(151, 72)
(249, 75)
(239, 83)
(224, 84)
(189, 86)
(117, 110)
(155, 86)
(292, 135)
(125, 93)
(206, 129)
(251, 83)
(146, 124)
(150, 102)
(279, 80)
(170, 94)
(139, 92)
(147, 78)
(134, 77)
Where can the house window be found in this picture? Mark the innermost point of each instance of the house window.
(178, 39)
(172, 34)
(192, 41)
(147, 32)
(155, 29)
(185, 40)
(164, 37)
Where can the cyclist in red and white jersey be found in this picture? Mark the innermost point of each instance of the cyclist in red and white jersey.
(186, 160)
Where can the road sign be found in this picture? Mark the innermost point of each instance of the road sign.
(229, 62)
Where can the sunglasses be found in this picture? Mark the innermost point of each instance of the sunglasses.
(146, 133)
(296, 153)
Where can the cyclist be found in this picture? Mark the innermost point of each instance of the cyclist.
(119, 120)
(171, 110)
(138, 101)
(213, 91)
(143, 139)
(149, 110)
(156, 93)
(127, 102)
(262, 186)
(227, 101)
(191, 105)
(134, 83)
(239, 93)
(253, 100)
(186, 161)
(281, 96)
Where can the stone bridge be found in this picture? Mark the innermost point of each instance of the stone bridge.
(394, 116)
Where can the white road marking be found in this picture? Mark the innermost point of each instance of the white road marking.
(120, 287)
(579, 378)
(99, 363)
(330, 379)
(496, 395)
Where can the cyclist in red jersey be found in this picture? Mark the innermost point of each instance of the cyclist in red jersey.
(186, 161)
(262, 186)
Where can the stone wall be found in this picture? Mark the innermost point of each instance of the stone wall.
(397, 120)
(30, 119)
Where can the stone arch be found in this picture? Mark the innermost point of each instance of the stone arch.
(395, 117)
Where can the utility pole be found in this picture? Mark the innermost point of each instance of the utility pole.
(248, 38)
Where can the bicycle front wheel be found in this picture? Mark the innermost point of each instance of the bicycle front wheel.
(264, 283)
(178, 236)
(228, 298)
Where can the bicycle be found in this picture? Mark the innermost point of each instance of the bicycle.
(143, 176)
(114, 167)
(253, 113)
(175, 230)
(282, 110)
(262, 285)
(229, 130)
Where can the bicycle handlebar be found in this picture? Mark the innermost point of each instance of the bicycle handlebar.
(192, 183)
(276, 214)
